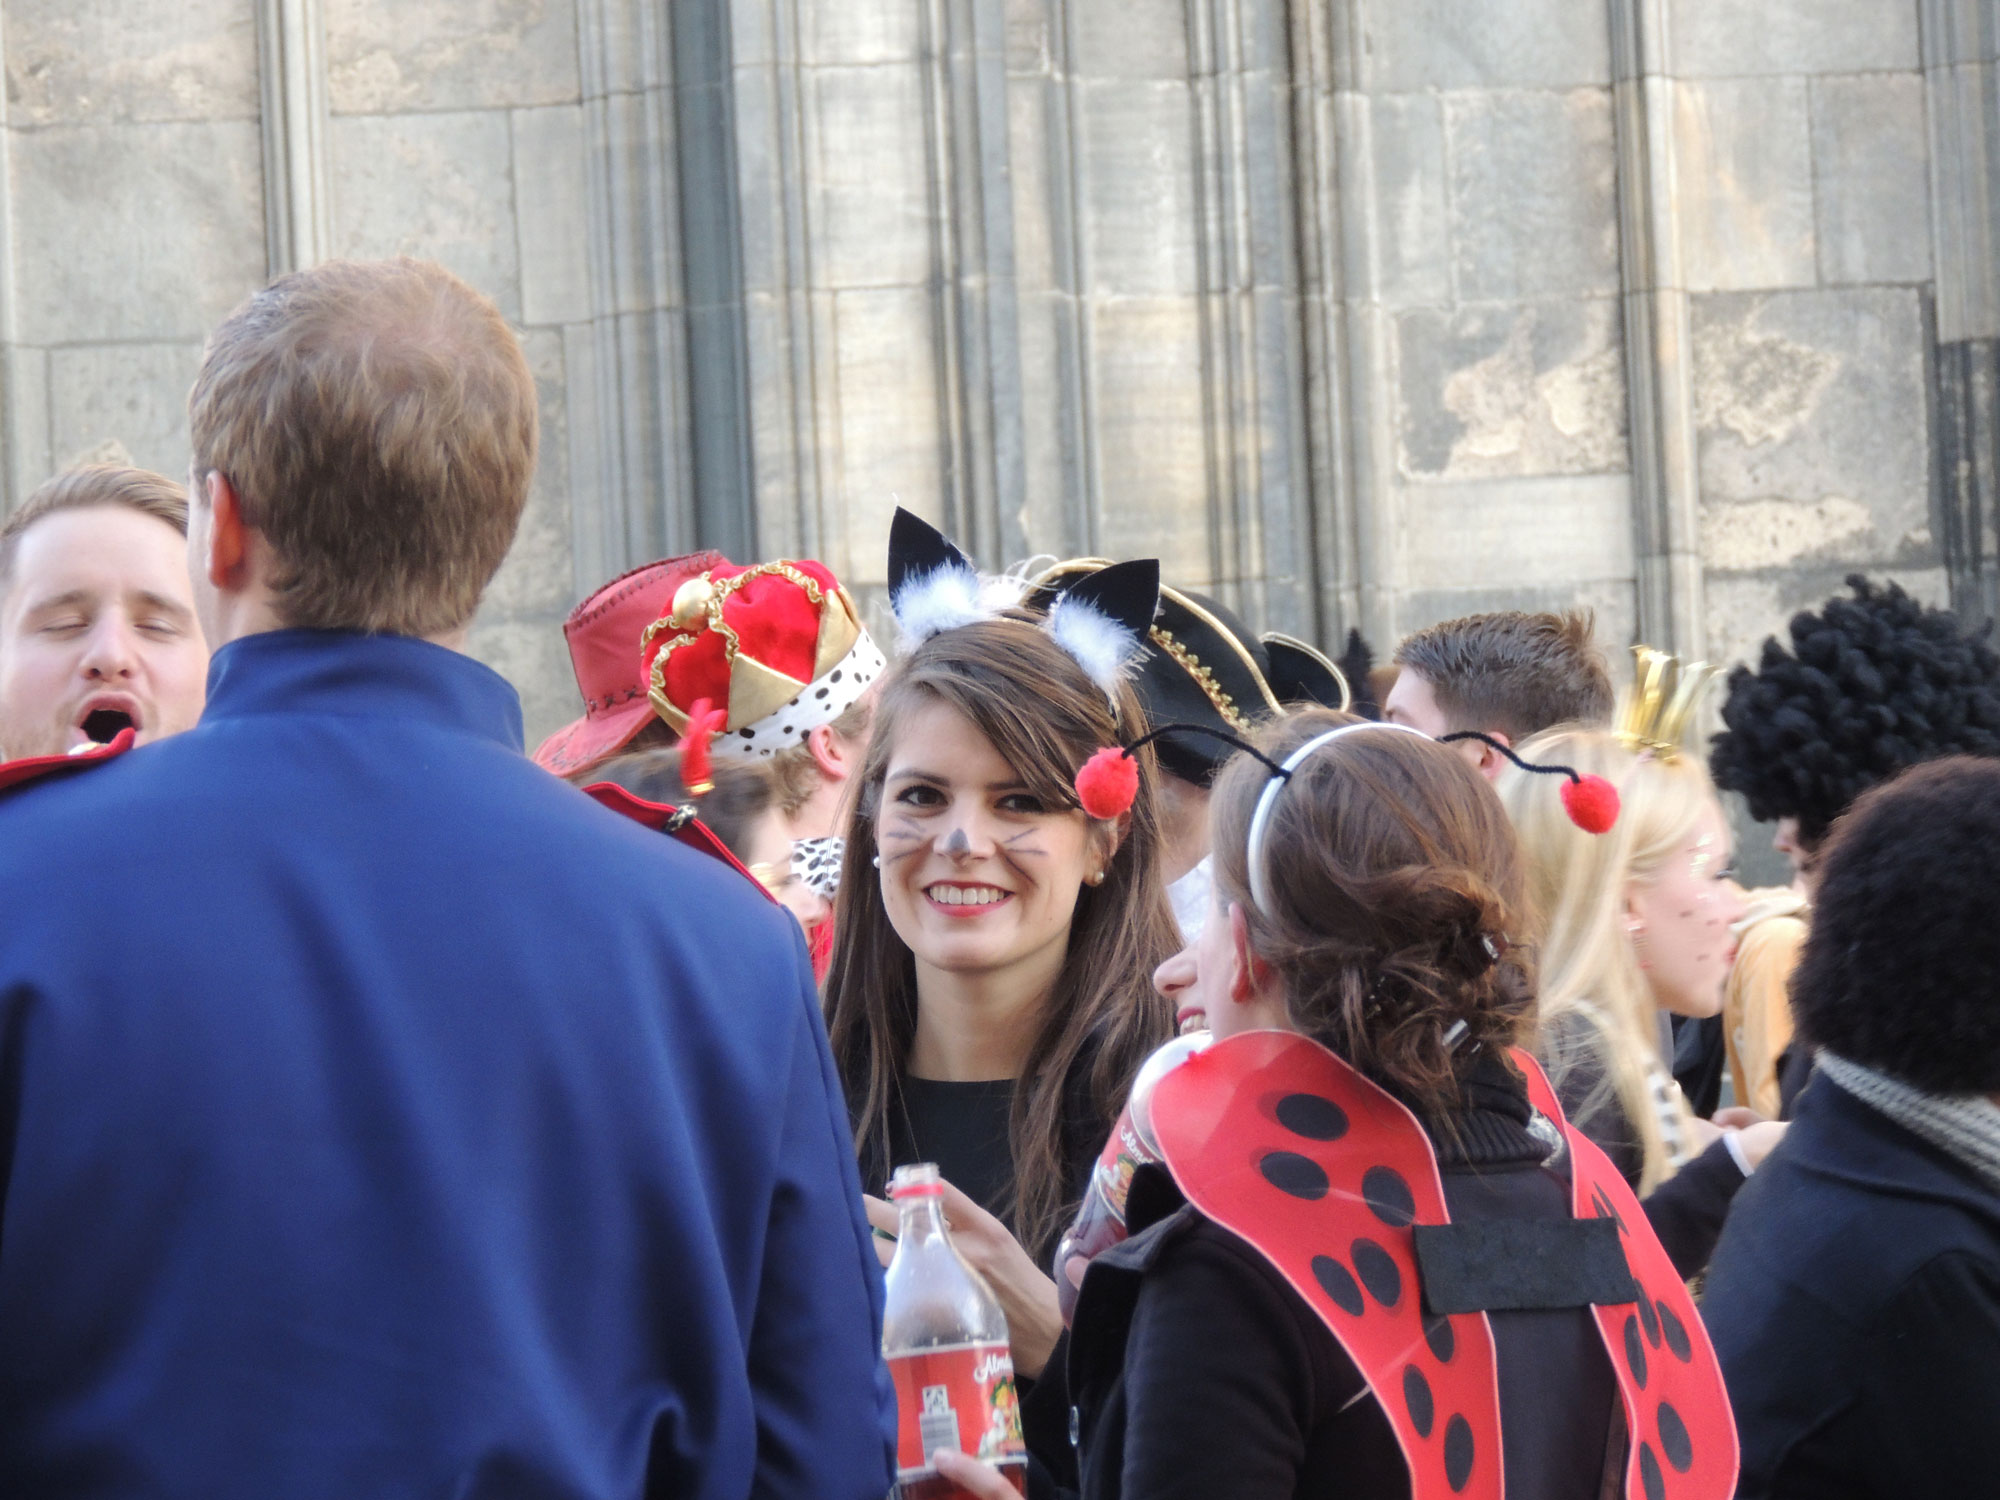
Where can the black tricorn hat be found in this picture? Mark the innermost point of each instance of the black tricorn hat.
(1206, 667)
(1300, 673)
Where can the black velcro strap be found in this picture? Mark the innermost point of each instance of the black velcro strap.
(1518, 1265)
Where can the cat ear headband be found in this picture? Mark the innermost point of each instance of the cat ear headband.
(1101, 621)
(1109, 781)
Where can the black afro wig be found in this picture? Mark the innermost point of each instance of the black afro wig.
(1873, 684)
(1900, 963)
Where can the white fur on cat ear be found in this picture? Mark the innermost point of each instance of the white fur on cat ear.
(1102, 620)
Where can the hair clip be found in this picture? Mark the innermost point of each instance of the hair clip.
(1590, 801)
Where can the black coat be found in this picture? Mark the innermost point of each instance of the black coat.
(1197, 1371)
(1855, 1304)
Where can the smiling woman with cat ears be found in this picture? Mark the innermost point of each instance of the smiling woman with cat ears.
(989, 999)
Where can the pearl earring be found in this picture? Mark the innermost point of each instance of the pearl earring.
(876, 861)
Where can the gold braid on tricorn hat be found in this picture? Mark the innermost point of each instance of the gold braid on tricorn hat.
(1665, 692)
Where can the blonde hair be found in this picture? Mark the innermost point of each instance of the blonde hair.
(89, 487)
(377, 421)
(1597, 1010)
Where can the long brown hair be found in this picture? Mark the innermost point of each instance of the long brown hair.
(1045, 717)
(1397, 901)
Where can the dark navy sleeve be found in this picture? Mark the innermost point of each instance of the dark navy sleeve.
(826, 1413)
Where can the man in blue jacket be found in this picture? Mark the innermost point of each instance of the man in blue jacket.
(379, 1116)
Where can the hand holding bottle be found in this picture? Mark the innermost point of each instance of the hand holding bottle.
(978, 1480)
(1026, 1294)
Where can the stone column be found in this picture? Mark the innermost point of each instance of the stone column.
(1961, 60)
(1659, 355)
(298, 199)
(628, 359)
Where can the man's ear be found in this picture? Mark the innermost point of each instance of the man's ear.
(1491, 761)
(834, 756)
(228, 535)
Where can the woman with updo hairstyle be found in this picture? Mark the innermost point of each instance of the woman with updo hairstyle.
(1635, 925)
(988, 1001)
(1369, 902)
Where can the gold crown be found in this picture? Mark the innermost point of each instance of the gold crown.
(1665, 690)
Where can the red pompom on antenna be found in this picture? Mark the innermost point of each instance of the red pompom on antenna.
(1108, 783)
(1592, 803)
(697, 762)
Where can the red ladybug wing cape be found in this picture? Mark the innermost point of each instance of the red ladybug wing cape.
(1676, 1409)
(1280, 1142)
(675, 822)
(15, 773)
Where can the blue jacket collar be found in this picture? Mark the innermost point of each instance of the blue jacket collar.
(349, 675)
(1845, 1140)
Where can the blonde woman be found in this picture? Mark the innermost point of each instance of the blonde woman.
(1635, 927)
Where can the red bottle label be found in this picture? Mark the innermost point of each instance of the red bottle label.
(958, 1396)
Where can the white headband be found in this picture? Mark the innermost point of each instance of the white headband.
(1260, 887)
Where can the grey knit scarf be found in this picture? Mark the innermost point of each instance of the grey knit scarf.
(1965, 1125)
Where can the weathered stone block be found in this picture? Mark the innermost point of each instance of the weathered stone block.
(1492, 392)
(552, 203)
(1745, 609)
(532, 656)
(1138, 200)
(133, 395)
(1129, 39)
(434, 186)
(1534, 194)
(888, 422)
(384, 56)
(1457, 44)
(1872, 157)
(537, 579)
(105, 62)
(1814, 430)
(135, 232)
(1412, 243)
(870, 177)
(1152, 453)
(1746, 183)
(1727, 38)
(1533, 533)
(859, 31)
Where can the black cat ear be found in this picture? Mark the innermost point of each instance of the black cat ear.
(932, 585)
(1102, 620)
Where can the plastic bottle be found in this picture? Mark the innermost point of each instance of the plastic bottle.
(945, 1340)
(1100, 1221)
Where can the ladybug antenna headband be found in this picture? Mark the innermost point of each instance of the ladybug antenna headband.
(1590, 801)
(1101, 621)
(1109, 781)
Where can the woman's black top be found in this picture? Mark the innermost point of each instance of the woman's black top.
(1688, 1209)
(963, 1128)
(1198, 1372)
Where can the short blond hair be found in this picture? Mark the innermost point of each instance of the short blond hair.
(377, 421)
(87, 488)
(794, 772)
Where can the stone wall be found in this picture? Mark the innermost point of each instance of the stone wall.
(1356, 312)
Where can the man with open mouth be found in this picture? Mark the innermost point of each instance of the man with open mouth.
(97, 622)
